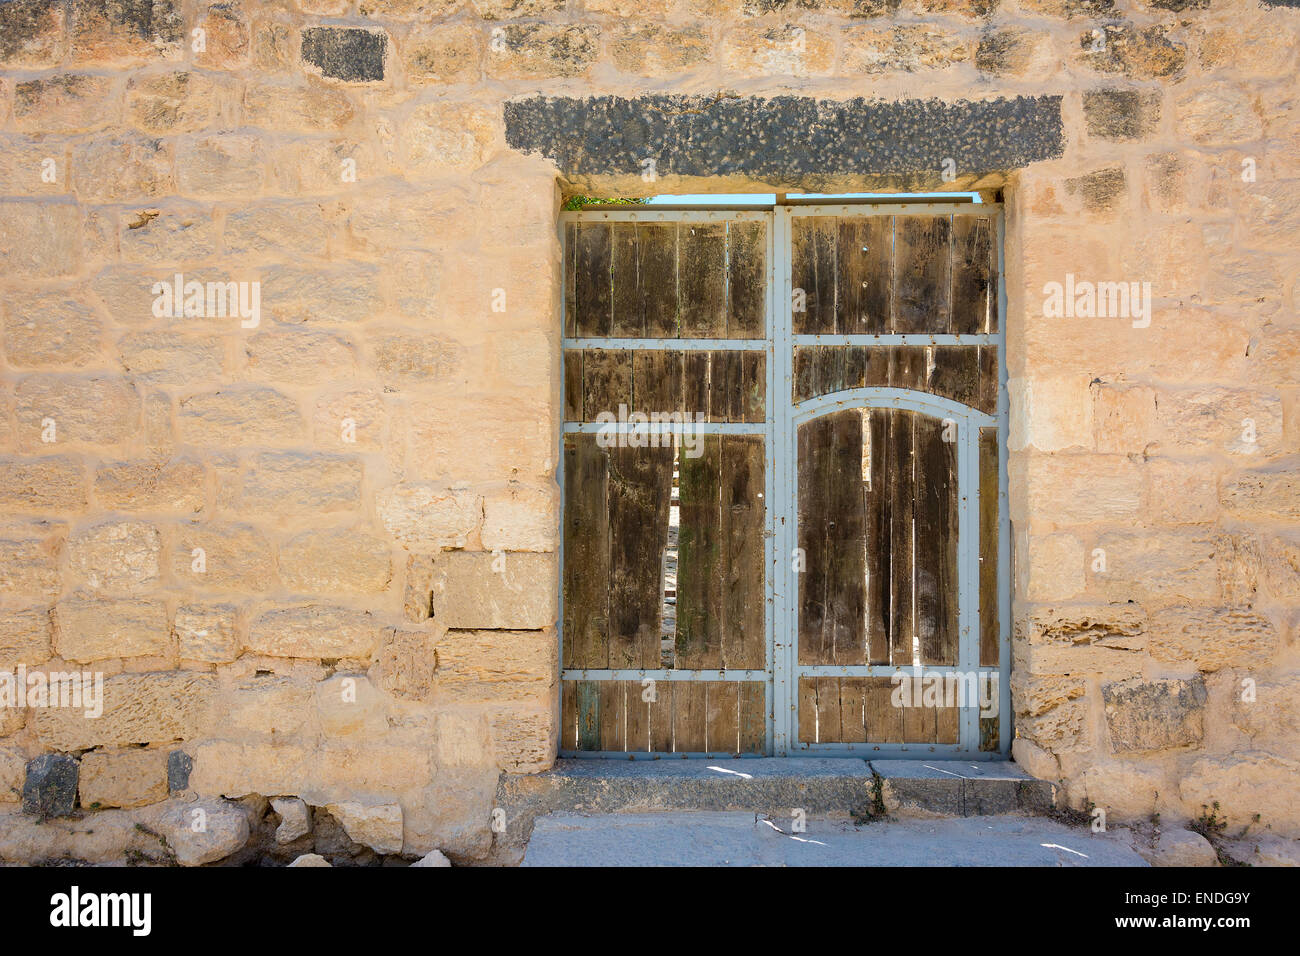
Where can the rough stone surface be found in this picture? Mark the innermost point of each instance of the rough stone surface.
(295, 818)
(179, 766)
(130, 778)
(203, 832)
(50, 789)
(476, 590)
(739, 839)
(432, 858)
(378, 827)
(698, 136)
(1180, 848)
(311, 859)
(357, 458)
(1154, 715)
(345, 54)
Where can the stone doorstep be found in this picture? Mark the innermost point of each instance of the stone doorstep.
(774, 786)
(711, 838)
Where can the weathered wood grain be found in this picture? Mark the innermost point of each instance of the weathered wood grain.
(586, 552)
(701, 276)
(746, 279)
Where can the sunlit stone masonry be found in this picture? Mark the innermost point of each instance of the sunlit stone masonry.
(283, 399)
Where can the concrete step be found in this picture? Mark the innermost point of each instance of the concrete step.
(697, 838)
(831, 788)
(960, 788)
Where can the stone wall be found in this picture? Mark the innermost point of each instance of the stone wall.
(312, 546)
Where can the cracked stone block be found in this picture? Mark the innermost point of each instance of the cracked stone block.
(50, 788)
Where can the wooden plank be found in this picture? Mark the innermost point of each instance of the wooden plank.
(828, 375)
(921, 267)
(593, 280)
(853, 702)
(656, 381)
(828, 711)
(900, 485)
(570, 279)
(974, 263)
(737, 395)
(753, 718)
(845, 642)
(587, 697)
(612, 710)
(884, 720)
(988, 391)
(724, 384)
(586, 553)
(661, 717)
(807, 706)
(722, 720)
(573, 385)
(990, 736)
(628, 306)
(689, 712)
(744, 632)
(639, 490)
(606, 381)
(865, 259)
(697, 389)
(990, 629)
(947, 725)
(919, 723)
(956, 373)
(880, 362)
(746, 279)
(936, 540)
(813, 268)
(813, 443)
(657, 263)
(855, 366)
(568, 716)
(805, 366)
(909, 367)
(753, 386)
(701, 276)
(877, 536)
(638, 719)
(699, 553)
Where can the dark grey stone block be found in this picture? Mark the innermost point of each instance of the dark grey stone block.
(345, 53)
(179, 765)
(50, 787)
(784, 138)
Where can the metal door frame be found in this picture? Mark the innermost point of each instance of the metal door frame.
(783, 416)
(787, 669)
(766, 428)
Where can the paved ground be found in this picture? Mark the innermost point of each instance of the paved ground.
(702, 838)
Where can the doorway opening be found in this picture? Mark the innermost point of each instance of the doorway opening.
(784, 478)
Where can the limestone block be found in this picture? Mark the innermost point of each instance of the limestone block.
(295, 820)
(138, 708)
(378, 827)
(475, 589)
(314, 631)
(127, 778)
(203, 832)
(1154, 715)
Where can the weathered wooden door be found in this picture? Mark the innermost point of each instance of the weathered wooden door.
(782, 481)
